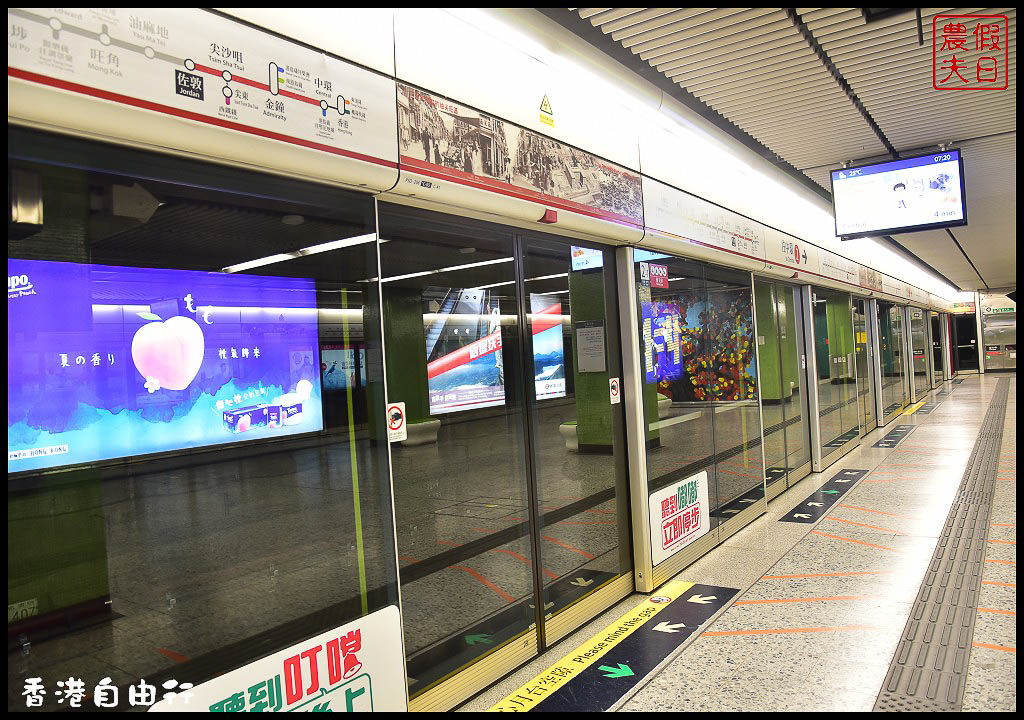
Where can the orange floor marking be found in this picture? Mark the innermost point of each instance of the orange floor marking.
(501, 593)
(1000, 584)
(586, 522)
(1003, 542)
(806, 599)
(175, 656)
(998, 611)
(859, 542)
(1001, 562)
(873, 527)
(990, 647)
(1013, 525)
(836, 574)
(776, 631)
(567, 546)
(880, 512)
(513, 553)
(526, 560)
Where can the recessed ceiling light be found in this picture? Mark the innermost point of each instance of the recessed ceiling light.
(293, 219)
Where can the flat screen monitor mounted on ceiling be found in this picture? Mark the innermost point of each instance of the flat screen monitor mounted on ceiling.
(925, 192)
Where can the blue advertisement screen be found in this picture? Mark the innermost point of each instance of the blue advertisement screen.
(663, 324)
(107, 362)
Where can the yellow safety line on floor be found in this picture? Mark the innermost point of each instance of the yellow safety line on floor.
(596, 647)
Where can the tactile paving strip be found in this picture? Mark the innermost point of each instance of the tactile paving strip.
(930, 665)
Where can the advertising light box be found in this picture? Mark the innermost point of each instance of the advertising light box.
(109, 362)
(917, 193)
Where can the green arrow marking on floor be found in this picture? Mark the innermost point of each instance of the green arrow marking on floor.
(623, 670)
(475, 639)
(830, 492)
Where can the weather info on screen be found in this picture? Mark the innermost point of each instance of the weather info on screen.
(907, 193)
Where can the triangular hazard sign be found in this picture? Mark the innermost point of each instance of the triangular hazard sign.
(545, 105)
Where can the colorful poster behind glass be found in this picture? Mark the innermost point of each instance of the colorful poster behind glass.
(548, 350)
(107, 362)
(668, 336)
(676, 332)
(464, 360)
(465, 367)
(339, 370)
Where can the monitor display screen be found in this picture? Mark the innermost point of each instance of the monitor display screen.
(918, 193)
(586, 258)
(109, 362)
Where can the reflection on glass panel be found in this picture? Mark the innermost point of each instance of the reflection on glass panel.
(676, 357)
(194, 372)
(732, 384)
(775, 391)
(579, 458)
(461, 496)
(798, 442)
(837, 385)
(919, 340)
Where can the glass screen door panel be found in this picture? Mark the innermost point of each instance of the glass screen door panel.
(865, 384)
(732, 387)
(794, 373)
(775, 391)
(730, 381)
(674, 352)
(890, 348)
(965, 329)
(462, 497)
(833, 340)
(937, 355)
(919, 342)
(578, 433)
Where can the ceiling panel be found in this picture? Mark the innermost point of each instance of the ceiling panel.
(756, 68)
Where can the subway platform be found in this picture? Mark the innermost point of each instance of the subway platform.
(900, 596)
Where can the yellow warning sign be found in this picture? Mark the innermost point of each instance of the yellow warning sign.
(522, 700)
(546, 114)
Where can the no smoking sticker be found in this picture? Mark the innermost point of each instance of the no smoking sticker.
(614, 394)
(397, 430)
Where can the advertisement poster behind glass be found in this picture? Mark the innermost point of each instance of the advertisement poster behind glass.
(107, 362)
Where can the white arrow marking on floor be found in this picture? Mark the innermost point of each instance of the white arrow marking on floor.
(730, 512)
(816, 504)
(701, 599)
(580, 582)
(666, 627)
(748, 500)
(801, 515)
(843, 481)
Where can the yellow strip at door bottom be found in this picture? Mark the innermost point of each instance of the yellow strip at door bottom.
(591, 651)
